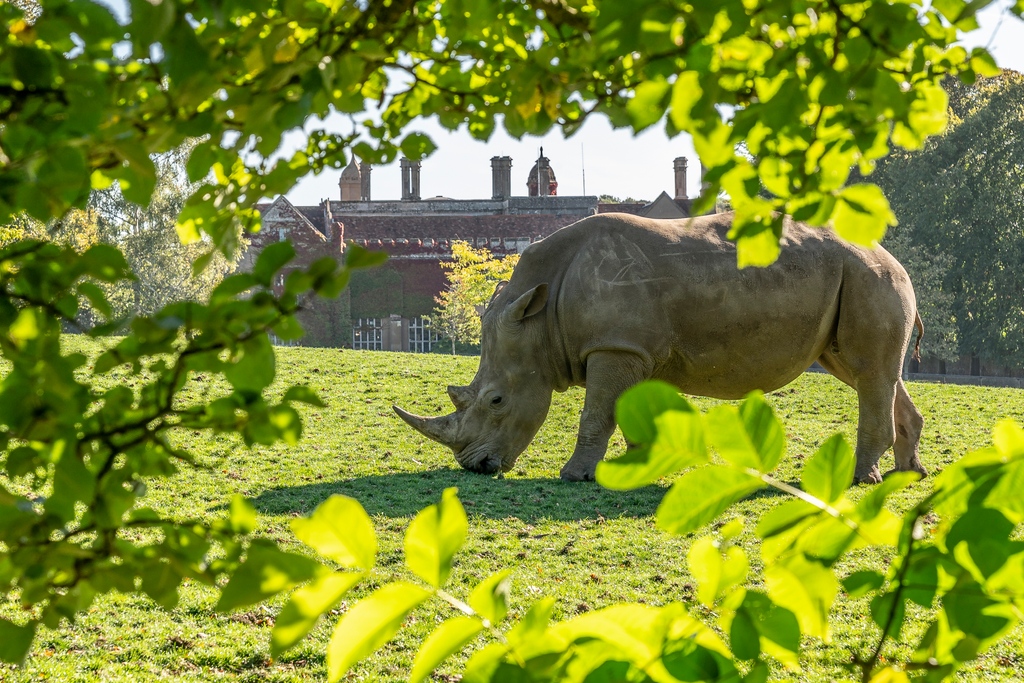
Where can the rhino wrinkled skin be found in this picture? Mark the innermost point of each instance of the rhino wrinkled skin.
(615, 299)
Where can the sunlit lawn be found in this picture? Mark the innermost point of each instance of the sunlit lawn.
(586, 546)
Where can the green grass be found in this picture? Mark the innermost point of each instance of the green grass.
(586, 546)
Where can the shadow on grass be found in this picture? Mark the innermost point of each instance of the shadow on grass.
(405, 494)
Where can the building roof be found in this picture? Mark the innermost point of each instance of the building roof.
(351, 172)
(369, 227)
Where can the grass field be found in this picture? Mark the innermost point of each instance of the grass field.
(584, 545)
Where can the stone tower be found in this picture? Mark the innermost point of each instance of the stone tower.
(351, 183)
(541, 181)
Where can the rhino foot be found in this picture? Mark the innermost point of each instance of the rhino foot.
(576, 474)
(873, 476)
(919, 469)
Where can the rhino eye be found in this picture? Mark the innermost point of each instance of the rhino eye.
(496, 400)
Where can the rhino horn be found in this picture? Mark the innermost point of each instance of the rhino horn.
(440, 429)
(460, 396)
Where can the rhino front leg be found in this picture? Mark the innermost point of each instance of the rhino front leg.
(609, 373)
(876, 432)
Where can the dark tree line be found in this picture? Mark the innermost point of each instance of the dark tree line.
(960, 205)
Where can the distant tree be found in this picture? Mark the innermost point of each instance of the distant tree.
(612, 199)
(959, 201)
(472, 276)
(148, 237)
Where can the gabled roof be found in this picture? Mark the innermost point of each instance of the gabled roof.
(283, 211)
(663, 207)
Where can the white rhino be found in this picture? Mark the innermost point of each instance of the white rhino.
(615, 299)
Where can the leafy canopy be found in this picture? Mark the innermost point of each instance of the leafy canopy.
(812, 87)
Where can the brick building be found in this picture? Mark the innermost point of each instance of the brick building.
(384, 308)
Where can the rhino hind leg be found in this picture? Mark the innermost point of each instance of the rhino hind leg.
(608, 374)
(876, 432)
(908, 433)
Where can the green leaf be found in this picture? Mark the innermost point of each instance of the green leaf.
(442, 643)
(1008, 493)
(862, 214)
(647, 105)
(416, 146)
(860, 583)
(637, 408)
(805, 588)
(265, 572)
(15, 641)
(888, 611)
(705, 564)
(160, 582)
(679, 443)
(305, 607)
(750, 436)
(533, 624)
(369, 624)
(360, 257)
(242, 515)
(829, 472)
(777, 627)
(874, 500)
(698, 497)
(1008, 439)
(303, 394)
(433, 538)
(784, 517)
(340, 530)
(743, 636)
(490, 597)
(73, 484)
(715, 574)
(271, 259)
(483, 663)
(252, 366)
(686, 91)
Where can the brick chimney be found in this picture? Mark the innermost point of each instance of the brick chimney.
(410, 180)
(679, 163)
(364, 178)
(501, 177)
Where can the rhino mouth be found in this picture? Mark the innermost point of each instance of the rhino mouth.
(481, 461)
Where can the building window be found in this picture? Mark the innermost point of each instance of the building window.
(366, 334)
(421, 337)
(277, 341)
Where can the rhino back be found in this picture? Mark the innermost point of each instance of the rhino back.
(670, 291)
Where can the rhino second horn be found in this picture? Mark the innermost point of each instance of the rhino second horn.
(440, 429)
(460, 396)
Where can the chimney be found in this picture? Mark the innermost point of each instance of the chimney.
(364, 177)
(410, 180)
(543, 181)
(501, 177)
(679, 163)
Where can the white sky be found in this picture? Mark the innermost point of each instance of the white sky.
(616, 162)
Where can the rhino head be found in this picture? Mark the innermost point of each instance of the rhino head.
(499, 413)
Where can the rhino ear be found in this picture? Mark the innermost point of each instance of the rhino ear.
(528, 304)
(497, 290)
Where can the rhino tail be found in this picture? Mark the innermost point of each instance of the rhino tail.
(920, 335)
